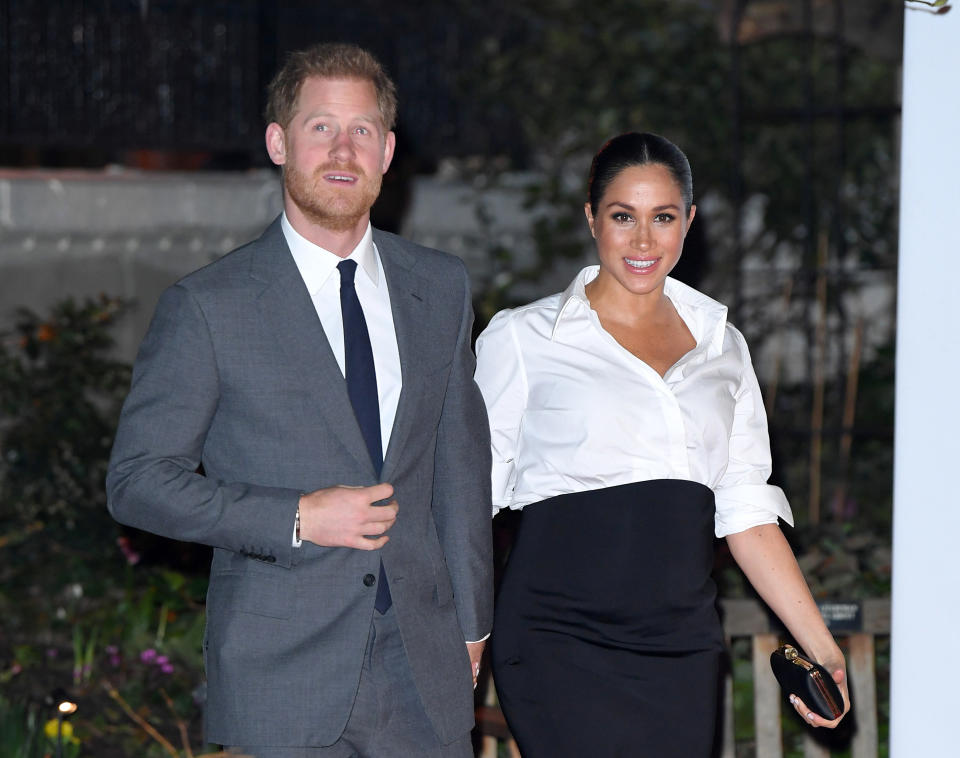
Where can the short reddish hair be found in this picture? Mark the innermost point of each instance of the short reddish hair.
(329, 60)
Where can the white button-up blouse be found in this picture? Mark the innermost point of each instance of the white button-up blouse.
(571, 410)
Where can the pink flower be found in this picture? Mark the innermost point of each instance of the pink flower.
(113, 655)
(149, 655)
(131, 555)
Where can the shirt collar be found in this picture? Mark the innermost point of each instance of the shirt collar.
(705, 317)
(317, 263)
(574, 294)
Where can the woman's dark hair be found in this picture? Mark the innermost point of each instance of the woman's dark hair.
(638, 149)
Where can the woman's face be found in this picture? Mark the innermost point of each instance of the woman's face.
(639, 227)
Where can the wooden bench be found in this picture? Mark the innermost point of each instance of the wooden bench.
(749, 618)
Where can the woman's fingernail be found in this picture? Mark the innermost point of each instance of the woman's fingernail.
(793, 699)
(809, 717)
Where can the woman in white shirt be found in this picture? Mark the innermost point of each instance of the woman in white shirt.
(628, 425)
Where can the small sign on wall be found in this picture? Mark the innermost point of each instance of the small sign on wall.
(842, 616)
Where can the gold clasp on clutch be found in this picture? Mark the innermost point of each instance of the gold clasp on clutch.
(791, 654)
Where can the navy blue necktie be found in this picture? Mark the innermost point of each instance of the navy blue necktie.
(361, 376)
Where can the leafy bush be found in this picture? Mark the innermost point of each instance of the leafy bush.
(113, 619)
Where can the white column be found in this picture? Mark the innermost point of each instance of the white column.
(926, 497)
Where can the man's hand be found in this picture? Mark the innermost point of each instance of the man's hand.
(345, 516)
(475, 651)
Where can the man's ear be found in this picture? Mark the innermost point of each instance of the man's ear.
(389, 145)
(276, 143)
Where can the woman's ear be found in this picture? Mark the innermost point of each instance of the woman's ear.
(589, 214)
(693, 212)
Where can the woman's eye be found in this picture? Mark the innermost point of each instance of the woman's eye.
(622, 218)
(663, 218)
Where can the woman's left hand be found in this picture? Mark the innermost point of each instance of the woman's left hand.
(839, 672)
(766, 558)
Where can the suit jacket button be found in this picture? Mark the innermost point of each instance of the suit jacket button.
(369, 580)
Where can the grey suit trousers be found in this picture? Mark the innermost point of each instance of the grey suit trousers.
(388, 719)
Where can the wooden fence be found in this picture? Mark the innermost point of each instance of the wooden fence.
(750, 619)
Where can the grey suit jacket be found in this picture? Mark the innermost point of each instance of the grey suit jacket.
(236, 374)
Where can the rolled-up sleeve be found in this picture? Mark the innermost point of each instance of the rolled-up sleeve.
(743, 497)
(502, 381)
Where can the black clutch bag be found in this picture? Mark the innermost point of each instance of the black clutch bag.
(810, 681)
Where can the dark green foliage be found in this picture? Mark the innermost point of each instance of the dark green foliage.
(60, 392)
(21, 731)
(86, 607)
(59, 395)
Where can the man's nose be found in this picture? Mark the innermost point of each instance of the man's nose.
(342, 147)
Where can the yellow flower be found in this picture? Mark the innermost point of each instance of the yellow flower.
(66, 731)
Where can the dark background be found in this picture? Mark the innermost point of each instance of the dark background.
(788, 110)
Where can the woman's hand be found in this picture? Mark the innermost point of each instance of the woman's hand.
(835, 664)
(765, 557)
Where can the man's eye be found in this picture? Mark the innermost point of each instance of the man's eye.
(321, 127)
(362, 130)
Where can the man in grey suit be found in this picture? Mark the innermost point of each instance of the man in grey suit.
(306, 406)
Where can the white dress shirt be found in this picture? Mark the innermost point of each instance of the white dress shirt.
(571, 410)
(318, 267)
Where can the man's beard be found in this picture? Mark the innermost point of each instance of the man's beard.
(333, 208)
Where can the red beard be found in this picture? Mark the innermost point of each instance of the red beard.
(338, 209)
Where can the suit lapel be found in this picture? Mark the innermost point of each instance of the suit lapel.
(288, 312)
(408, 298)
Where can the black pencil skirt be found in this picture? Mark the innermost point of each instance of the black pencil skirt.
(606, 640)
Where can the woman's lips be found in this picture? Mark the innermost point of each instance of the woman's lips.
(641, 265)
